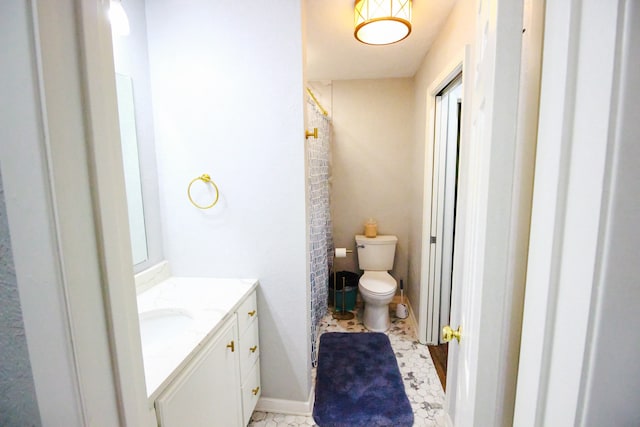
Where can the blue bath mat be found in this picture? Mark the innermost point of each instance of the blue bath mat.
(358, 383)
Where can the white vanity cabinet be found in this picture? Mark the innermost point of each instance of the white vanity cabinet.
(207, 391)
(220, 385)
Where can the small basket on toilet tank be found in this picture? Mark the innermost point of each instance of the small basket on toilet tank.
(376, 253)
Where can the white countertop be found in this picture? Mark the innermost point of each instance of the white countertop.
(180, 313)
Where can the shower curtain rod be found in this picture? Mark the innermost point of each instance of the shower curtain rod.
(324, 112)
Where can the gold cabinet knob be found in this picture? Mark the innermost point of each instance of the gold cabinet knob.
(253, 349)
(449, 334)
(252, 313)
(231, 345)
(255, 391)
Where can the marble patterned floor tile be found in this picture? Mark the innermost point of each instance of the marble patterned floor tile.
(421, 381)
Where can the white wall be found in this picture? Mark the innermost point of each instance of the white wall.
(456, 33)
(370, 174)
(227, 88)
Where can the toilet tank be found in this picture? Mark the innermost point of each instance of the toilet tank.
(376, 253)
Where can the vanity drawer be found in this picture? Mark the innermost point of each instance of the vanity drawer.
(247, 312)
(249, 349)
(251, 392)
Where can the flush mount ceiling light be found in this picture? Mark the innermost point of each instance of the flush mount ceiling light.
(380, 22)
(118, 18)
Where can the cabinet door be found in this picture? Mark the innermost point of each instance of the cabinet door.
(208, 391)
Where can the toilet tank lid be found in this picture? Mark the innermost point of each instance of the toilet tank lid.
(378, 240)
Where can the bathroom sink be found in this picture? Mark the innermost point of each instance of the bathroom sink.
(162, 328)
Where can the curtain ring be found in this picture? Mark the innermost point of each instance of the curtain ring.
(207, 180)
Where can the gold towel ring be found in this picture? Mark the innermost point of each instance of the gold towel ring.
(207, 180)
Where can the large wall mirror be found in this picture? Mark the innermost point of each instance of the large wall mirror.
(131, 160)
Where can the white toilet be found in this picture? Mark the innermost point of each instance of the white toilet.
(377, 287)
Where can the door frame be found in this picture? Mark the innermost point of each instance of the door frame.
(427, 292)
(574, 162)
(79, 307)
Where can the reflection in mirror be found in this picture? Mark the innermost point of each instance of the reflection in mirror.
(131, 162)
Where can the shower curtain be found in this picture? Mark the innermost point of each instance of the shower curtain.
(320, 228)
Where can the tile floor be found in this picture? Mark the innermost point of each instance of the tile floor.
(420, 378)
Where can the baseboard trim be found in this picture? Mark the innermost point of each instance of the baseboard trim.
(444, 420)
(290, 407)
(412, 319)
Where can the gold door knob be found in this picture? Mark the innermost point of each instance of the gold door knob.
(231, 345)
(255, 391)
(253, 349)
(252, 313)
(449, 334)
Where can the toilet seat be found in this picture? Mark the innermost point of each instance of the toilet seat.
(378, 283)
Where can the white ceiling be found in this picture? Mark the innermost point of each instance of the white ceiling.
(333, 53)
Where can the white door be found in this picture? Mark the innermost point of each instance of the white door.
(443, 205)
(582, 282)
(480, 366)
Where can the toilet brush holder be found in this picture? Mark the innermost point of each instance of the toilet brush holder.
(402, 311)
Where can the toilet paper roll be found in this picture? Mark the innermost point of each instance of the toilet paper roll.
(341, 252)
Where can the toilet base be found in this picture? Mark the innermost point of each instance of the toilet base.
(376, 317)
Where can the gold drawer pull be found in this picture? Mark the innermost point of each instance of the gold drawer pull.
(255, 391)
(231, 345)
(253, 349)
(252, 313)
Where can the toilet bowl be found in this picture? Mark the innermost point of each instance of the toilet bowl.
(377, 289)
